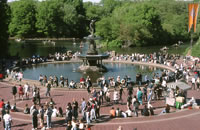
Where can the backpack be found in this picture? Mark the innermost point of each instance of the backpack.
(34, 113)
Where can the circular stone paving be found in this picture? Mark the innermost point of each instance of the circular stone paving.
(178, 119)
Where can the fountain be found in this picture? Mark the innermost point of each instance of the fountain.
(92, 61)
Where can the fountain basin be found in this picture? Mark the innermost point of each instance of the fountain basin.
(71, 71)
(93, 62)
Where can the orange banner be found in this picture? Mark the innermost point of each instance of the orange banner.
(191, 16)
(196, 9)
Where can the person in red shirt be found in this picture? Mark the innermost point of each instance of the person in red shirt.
(2, 103)
(21, 91)
(82, 82)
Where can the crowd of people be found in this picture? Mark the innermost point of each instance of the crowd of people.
(159, 57)
(146, 89)
(61, 56)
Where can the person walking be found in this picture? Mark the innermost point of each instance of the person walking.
(48, 88)
(120, 93)
(34, 114)
(136, 105)
(88, 109)
(3, 112)
(21, 92)
(38, 95)
(115, 97)
(75, 109)
(93, 112)
(139, 95)
(145, 92)
(83, 107)
(14, 92)
(41, 113)
(193, 82)
(26, 90)
(49, 114)
(68, 113)
(100, 96)
(88, 84)
(7, 120)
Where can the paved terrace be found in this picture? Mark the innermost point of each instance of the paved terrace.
(176, 120)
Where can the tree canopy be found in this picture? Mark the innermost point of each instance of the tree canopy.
(119, 22)
(23, 18)
(4, 21)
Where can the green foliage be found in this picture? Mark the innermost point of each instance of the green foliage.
(48, 18)
(174, 18)
(78, 29)
(23, 18)
(132, 24)
(104, 28)
(109, 6)
(93, 11)
(4, 21)
(195, 49)
(119, 22)
(145, 23)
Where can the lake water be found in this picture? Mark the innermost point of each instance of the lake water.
(30, 48)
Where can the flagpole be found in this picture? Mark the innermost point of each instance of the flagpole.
(191, 37)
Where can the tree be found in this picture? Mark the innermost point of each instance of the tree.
(4, 21)
(78, 28)
(174, 18)
(136, 24)
(109, 6)
(23, 19)
(93, 11)
(61, 18)
(48, 16)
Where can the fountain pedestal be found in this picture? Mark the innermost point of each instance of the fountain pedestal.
(93, 62)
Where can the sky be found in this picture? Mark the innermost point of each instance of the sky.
(95, 1)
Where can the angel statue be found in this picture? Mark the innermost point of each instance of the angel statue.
(92, 27)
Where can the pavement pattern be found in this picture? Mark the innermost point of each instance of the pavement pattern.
(178, 120)
(186, 119)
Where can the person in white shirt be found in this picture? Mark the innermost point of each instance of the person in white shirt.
(129, 112)
(112, 83)
(193, 82)
(164, 83)
(187, 78)
(27, 90)
(20, 76)
(133, 101)
(115, 96)
(118, 80)
(81, 125)
(55, 111)
(72, 84)
(8, 120)
(105, 89)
